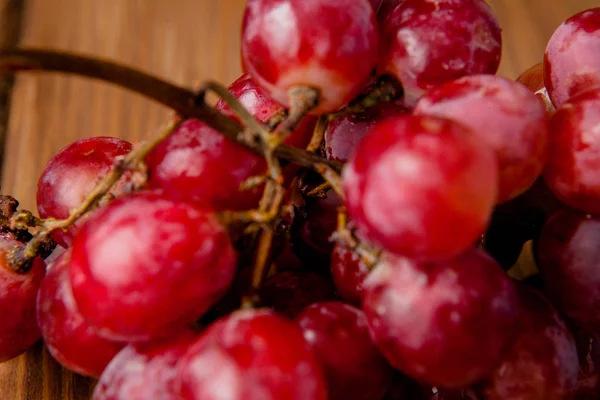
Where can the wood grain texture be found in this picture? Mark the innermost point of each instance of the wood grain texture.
(183, 41)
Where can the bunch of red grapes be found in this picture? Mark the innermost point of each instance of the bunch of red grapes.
(391, 280)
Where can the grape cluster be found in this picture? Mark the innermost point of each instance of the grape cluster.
(343, 224)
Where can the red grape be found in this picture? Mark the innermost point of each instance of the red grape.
(348, 272)
(328, 45)
(542, 363)
(571, 60)
(427, 43)
(144, 266)
(19, 329)
(353, 367)
(72, 174)
(197, 163)
(503, 114)
(421, 186)
(574, 154)
(447, 324)
(144, 371)
(288, 292)
(251, 355)
(66, 335)
(263, 108)
(344, 133)
(568, 255)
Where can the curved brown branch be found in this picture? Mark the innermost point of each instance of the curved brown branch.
(181, 100)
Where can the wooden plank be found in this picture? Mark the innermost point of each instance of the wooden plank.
(183, 41)
(195, 40)
(11, 13)
(527, 25)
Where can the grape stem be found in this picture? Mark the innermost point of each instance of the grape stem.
(185, 102)
(344, 235)
(318, 134)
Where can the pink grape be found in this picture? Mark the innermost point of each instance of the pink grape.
(571, 59)
(503, 114)
(144, 371)
(421, 186)
(448, 323)
(574, 153)
(427, 43)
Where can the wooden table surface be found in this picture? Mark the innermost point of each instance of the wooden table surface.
(190, 41)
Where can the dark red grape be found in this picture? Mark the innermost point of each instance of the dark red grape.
(427, 43)
(588, 349)
(421, 186)
(66, 335)
(386, 7)
(448, 323)
(144, 266)
(19, 329)
(328, 45)
(72, 174)
(404, 388)
(568, 255)
(251, 355)
(288, 292)
(517, 221)
(571, 61)
(144, 371)
(354, 369)
(542, 364)
(503, 114)
(348, 272)
(311, 230)
(344, 134)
